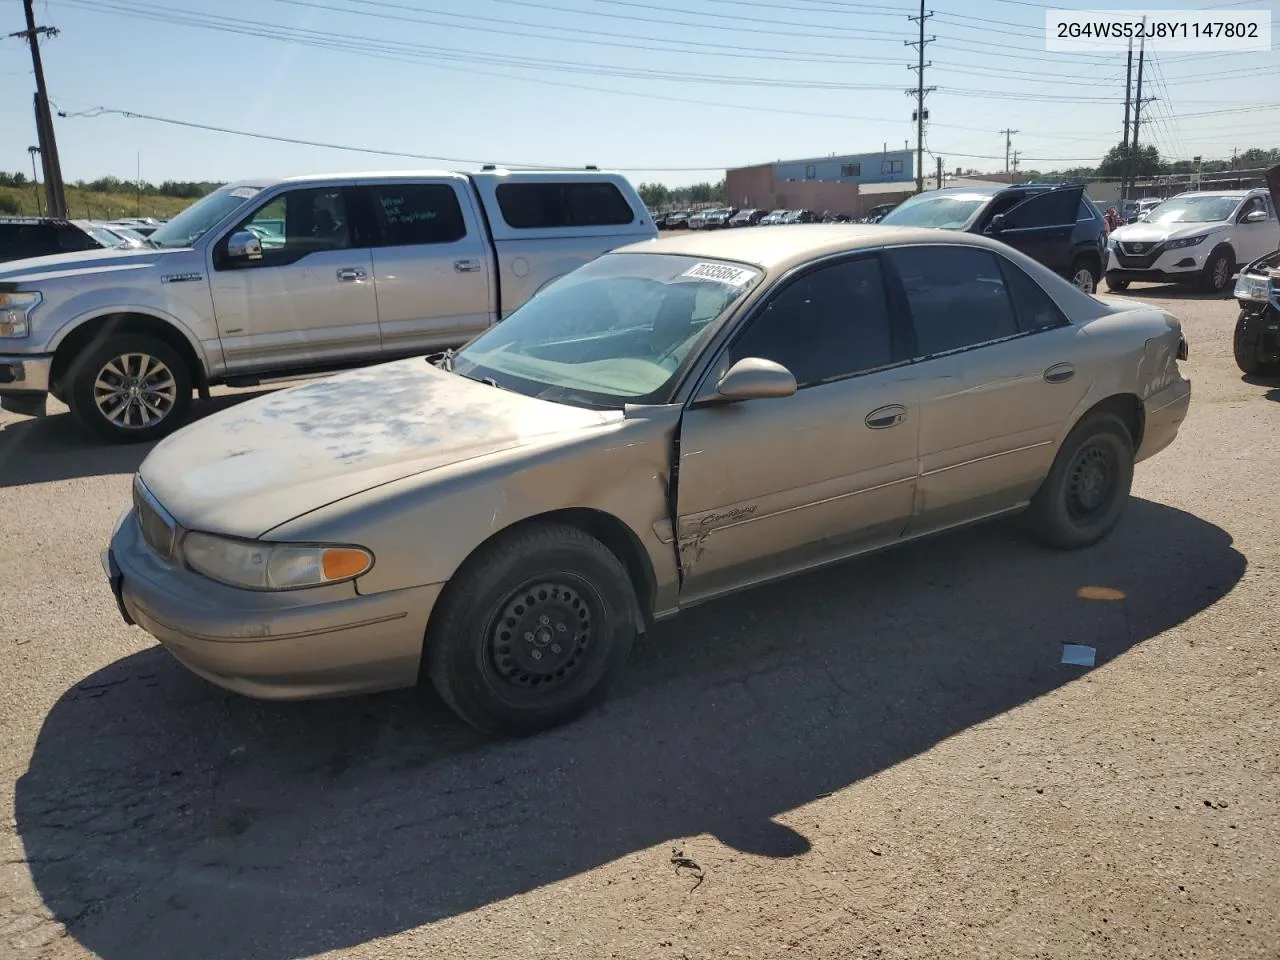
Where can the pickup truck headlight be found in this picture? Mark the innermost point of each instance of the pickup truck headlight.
(256, 565)
(15, 308)
(1251, 287)
(1187, 242)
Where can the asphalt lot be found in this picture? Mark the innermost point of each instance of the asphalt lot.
(885, 759)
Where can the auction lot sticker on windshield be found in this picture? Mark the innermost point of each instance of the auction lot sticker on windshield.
(245, 193)
(720, 273)
(1223, 29)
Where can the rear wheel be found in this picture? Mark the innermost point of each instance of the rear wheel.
(1085, 493)
(1218, 270)
(129, 388)
(532, 631)
(1085, 275)
(1114, 283)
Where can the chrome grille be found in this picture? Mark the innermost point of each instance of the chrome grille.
(158, 528)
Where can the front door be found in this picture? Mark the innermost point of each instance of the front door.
(767, 487)
(1000, 370)
(1254, 240)
(309, 300)
(432, 267)
(1042, 227)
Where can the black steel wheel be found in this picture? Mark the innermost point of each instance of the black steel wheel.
(1085, 492)
(532, 630)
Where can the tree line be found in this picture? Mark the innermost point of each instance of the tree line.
(187, 189)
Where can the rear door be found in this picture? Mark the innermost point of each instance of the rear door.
(432, 265)
(1042, 227)
(771, 486)
(999, 371)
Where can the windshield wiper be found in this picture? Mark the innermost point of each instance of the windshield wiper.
(445, 360)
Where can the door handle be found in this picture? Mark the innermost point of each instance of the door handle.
(351, 274)
(466, 266)
(883, 418)
(1059, 373)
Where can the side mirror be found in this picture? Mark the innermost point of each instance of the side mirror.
(997, 224)
(1256, 216)
(754, 379)
(243, 246)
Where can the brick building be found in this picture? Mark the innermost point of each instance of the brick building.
(819, 183)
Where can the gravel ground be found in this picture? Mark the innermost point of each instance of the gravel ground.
(885, 759)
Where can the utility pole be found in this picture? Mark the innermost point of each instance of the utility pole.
(939, 159)
(1008, 143)
(1015, 166)
(1124, 143)
(1234, 151)
(1137, 111)
(920, 91)
(54, 193)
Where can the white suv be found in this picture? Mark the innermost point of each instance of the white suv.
(1195, 237)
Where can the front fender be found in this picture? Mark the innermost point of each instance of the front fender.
(97, 304)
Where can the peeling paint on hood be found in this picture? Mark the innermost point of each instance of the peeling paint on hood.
(252, 467)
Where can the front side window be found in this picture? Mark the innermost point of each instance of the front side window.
(540, 204)
(298, 223)
(618, 330)
(957, 297)
(1251, 205)
(418, 213)
(831, 323)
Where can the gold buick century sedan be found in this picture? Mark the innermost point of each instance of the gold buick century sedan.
(677, 420)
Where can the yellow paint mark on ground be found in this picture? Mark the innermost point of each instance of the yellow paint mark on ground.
(1100, 593)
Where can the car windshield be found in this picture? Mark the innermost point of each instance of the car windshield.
(193, 222)
(946, 212)
(616, 331)
(1194, 210)
(106, 237)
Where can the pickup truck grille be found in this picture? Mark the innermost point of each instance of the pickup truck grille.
(158, 529)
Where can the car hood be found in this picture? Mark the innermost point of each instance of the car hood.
(264, 462)
(1158, 232)
(61, 265)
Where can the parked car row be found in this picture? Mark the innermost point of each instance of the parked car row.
(731, 217)
(271, 278)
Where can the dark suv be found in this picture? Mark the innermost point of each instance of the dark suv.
(22, 237)
(1057, 225)
(1257, 335)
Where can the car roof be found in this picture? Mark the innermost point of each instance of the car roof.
(780, 248)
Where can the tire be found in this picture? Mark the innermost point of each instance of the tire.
(1117, 285)
(1218, 270)
(486, 644)
(1082, 271)
(1246, 353)
(1087, 488)
(151, 368)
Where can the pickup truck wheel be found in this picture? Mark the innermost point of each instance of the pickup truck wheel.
(1246, 351)
(532, 630)
(1081, 499)
(1218, 270)
(129, 389)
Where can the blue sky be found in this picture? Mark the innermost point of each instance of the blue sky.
(669, 90)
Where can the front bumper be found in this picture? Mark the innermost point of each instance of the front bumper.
(1159, 265)
(294, 645)
(25, 373)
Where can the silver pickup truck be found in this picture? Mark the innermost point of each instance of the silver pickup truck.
(267, 279)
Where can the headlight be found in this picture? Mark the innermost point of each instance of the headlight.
(1113, 243)
(255, 565)
(1187, 242)
(15, 308)
(1251, 287)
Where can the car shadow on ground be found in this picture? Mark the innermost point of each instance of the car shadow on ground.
(44, 449)
(161, 817)
(1167, 291)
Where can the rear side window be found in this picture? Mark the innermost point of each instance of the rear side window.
(1035, 309)
(1046, 210)
(21, 240)
(418, 213)
(73, 240)
(957, 297)
(531, 206)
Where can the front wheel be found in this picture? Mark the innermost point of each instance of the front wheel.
(129, 388)
(1246, 351)
(1082, 498)
(532, 631)
(1218, 270)
(1116, 284)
